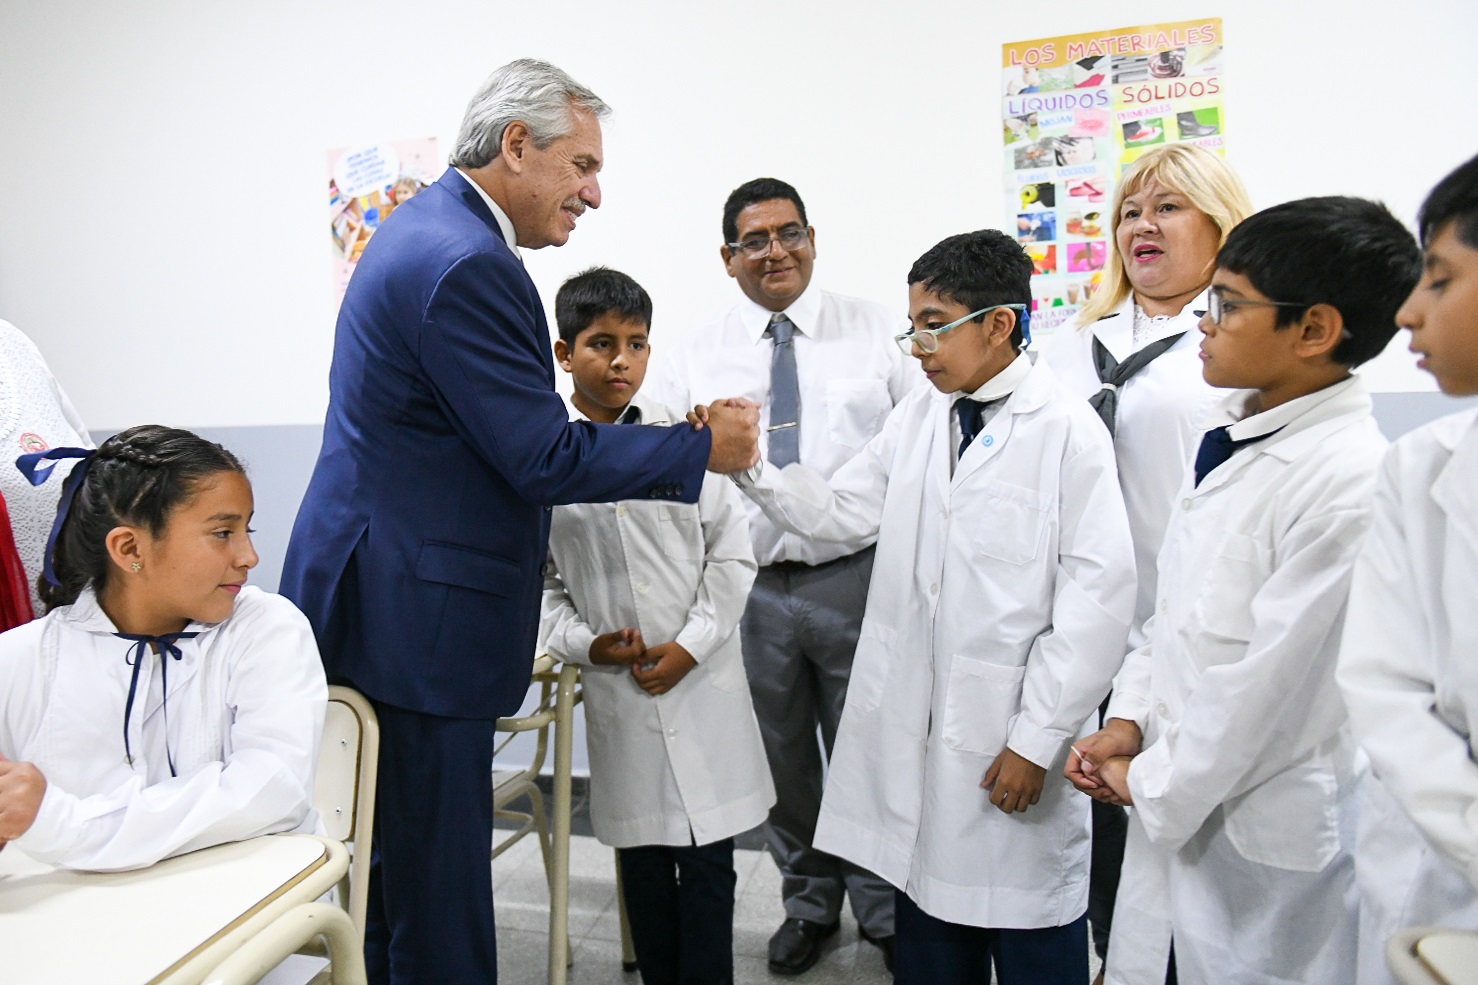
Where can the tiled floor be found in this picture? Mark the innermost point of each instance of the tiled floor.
(522, 899)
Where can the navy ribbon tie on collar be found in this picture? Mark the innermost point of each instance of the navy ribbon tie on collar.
(31, 467)
(135, 659)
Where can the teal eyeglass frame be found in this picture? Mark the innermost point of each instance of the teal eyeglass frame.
(907, 340)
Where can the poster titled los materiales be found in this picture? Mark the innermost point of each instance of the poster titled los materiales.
(1077, 110)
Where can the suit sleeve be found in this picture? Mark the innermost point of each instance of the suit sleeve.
(489, 364)
(1070, 666)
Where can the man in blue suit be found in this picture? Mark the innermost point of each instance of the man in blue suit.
(417, 550)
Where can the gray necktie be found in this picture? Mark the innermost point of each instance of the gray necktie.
(785, 395)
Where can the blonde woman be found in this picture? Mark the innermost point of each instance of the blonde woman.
(1135, 355)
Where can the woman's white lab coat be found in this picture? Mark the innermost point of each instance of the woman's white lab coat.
(687, 766)
(245, 716)
(1244, 793)
(1409, 671)
(1000, 600)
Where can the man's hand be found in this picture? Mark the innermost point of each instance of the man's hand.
(1115, 774)
(1015, 783)
(662, 667)
(21, 788)
(617, 649)
(1118, 737)
(735, 424)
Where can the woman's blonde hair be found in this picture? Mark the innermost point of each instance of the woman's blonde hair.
(1201, 176)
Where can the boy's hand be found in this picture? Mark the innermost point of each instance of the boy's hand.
(1118, 737)
(662, 667)
(617, 649)
(21, 788)
(1015, 783)
(1115, 774)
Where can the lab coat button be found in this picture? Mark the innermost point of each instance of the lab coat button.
(621, 510)
(641, 586)
(671, 733)
(1185, 504)
(934, 589)
(1164, 606)
(1164, 710)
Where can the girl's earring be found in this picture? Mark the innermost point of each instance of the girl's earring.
(137, 566)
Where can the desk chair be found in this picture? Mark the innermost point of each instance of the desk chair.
(296, 931)
(344, 790)
(1433, 956)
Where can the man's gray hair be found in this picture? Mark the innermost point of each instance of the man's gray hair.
(530, 91)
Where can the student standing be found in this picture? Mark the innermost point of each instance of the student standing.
(648, 597)
(161, 705)
(826, 372)
(996, 618)
(1226, 732)
(1407, 664)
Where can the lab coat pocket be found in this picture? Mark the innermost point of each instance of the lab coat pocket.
(681, 534)
(855, 410)
(978, 706)
(1012, 522)
(1289, 822)
(1231, 582)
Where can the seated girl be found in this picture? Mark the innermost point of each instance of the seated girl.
(161, 705)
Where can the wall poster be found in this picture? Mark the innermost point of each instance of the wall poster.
(1077, 110)
(365, 184)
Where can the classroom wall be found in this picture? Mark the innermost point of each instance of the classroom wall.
(163, 228)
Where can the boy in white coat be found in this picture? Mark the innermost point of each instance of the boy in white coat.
(996, 618)
(1407, 666)
(648, 595)
(1226, 732)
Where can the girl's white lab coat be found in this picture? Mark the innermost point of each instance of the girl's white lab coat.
(999, 605)
(1157, 429)
(245, 716)
(687, 766)
(1244, 791)
(1409, 671)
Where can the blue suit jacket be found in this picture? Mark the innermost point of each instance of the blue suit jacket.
(418, 547)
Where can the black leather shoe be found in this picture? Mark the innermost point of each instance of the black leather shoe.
(884, 944)
(796, 946)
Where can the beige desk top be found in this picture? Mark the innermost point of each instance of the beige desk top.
(171, 922)
(1451, 955)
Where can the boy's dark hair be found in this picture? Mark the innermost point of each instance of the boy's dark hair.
(1454, 200)
(979, 270)
(1347, 252)
(752, 192)
(137, 478)
(595, 292)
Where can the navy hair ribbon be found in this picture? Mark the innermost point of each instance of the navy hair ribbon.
(36, 473)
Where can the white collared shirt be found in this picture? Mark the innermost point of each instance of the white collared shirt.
(850, 373)
(505, 224)
(244, 720)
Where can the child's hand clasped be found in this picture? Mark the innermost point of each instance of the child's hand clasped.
(1015, 783)
(662, 667)
(617, 649)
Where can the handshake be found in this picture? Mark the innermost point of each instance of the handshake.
(735, 424)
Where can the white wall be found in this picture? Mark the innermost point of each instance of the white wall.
(163, 229)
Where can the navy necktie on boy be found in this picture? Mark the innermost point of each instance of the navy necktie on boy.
(785, 394)
(1114, 374)
(972, 413)
(1218, 445)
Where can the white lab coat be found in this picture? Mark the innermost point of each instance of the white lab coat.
(999, 605)
(1157, 429)
(1409, 671)
(1244, 793)
(245, 716)
(687, 766)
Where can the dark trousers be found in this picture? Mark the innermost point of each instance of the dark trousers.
(1110, 828)
(680, 905)
(931, 951)
(431, 885)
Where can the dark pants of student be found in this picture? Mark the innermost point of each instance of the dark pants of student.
(799, 631)
(1110, 828)
(934, 952)
(431, 888)
(680, 905)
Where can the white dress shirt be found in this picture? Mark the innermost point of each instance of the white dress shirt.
(1157, 426)
(850, 373)
(505, 224)
(244, 719)
(687, 766)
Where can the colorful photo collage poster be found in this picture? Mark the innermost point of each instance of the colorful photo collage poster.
(1076, 111)
(365, 184)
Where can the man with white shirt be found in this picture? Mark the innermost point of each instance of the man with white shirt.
(827, 373)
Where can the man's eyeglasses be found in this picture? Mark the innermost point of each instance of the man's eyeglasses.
(758, 247)
(1217, 307)
(928, 339)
